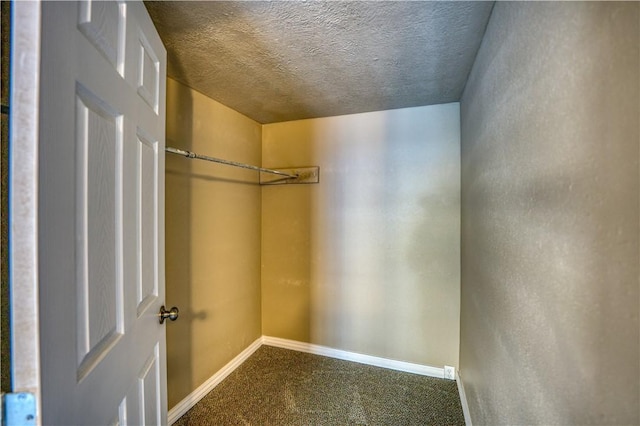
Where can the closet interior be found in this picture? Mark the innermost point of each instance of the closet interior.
(495, 232)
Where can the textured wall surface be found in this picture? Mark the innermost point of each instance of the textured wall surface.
(212, 239)
(368, 259)
(550, 136)
(280, 61)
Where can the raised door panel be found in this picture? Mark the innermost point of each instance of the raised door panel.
(148, 80)
(147, 188)
(122, 412)
(149, 394)
(104, 25)
(98, 228)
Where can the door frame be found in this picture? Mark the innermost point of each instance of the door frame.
(23, 199)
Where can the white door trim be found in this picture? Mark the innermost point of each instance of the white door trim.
(23, 198)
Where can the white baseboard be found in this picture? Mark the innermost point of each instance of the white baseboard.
(192, 399)
(408, 367)
(463, 400)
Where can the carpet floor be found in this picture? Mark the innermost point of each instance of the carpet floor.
(282, 387)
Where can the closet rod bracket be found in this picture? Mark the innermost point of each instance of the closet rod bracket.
(302, 175)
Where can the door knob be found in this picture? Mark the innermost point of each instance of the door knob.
(172, 314)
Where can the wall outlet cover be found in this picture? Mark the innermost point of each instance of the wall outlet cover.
(449, 372)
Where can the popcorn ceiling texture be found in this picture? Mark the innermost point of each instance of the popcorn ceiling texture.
(550, 145)
(281, 61)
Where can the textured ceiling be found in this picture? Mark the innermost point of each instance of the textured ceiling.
(280, 61)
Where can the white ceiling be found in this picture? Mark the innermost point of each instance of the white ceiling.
(281, 61)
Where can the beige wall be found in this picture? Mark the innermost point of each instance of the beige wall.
(550, 135)
(368, 259)
(212, 239)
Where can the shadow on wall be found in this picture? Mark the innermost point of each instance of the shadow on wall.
(550, 216)
(178, 249)
(213, 239)
(366, 261)
(420, 195)
(387, 226)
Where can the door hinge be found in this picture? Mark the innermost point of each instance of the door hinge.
(18, 409)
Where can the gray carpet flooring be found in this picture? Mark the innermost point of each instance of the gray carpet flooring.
(282, 387)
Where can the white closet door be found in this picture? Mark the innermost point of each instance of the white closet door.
(101, 215)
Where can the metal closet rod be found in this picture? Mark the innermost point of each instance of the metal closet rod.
(190, 154)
